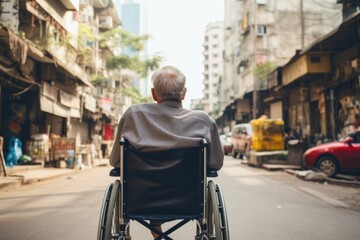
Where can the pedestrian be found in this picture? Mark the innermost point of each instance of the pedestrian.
(174, 126)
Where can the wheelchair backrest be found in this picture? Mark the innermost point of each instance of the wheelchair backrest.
(164, 185)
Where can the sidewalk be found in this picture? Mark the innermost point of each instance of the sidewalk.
(27, 174)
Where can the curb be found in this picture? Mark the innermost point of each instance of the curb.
(345, 183)
(15, 181)
(10, 183)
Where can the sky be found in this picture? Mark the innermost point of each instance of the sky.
(176, 29)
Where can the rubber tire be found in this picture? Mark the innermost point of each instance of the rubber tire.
(233, 153)
(216, 213)
(112, 215)
(329, 161)
(103, 212)
(223, 213)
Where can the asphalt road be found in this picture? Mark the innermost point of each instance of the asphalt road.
(260, 205)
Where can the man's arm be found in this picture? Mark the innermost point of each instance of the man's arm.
(216, 151)
(115, 152)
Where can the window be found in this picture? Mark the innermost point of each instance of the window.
(261, 30)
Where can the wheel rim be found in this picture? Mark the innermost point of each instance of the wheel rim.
(328, 167)
(223, 213)
(214, 217)
(112, 216)
(103, 212)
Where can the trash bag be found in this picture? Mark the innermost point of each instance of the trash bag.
(25, 160)
(14, 153)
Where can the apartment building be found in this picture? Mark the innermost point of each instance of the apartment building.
(213, 67)
(270, 32)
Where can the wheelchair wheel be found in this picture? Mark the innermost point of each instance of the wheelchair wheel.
(216, 213)
(112, 215)
(103, 212)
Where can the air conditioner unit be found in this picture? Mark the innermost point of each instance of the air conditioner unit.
(105, 22)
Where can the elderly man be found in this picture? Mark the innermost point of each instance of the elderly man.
(166, 124)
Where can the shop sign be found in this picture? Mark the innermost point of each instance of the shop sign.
(106, 104)
(90, 103)
(49, 91)
(69, 100)
(65, 99)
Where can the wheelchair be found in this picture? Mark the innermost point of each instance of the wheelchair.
(163, 186)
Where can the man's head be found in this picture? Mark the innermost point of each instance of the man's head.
(169, 84)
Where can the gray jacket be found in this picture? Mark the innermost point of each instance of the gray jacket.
(166, 125)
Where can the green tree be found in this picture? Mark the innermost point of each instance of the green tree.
(117, 40)
(261, 72)
(86, 39)
(134, 94)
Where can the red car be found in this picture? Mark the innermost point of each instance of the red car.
(226, 143)
(335, 157)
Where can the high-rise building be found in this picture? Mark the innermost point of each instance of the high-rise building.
(213, 66)
(134, 20)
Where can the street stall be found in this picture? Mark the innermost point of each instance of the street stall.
(63, 152)
(38, 148)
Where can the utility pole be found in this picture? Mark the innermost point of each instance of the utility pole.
(302, 24)
(254, 65)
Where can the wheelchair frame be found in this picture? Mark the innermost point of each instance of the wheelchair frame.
(212, 225)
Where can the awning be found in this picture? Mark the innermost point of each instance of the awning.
(90, 103)
(74, 70)
(28, 49)
(68, 106)
(339, 39)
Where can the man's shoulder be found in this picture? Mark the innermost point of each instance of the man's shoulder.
(141, 107)
(201, 115)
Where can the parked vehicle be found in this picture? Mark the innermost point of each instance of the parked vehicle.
(335, 157)
(240, 139)
(226, 143)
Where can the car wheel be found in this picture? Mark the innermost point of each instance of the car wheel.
(233, 153)
(247, 152)
(328, 165)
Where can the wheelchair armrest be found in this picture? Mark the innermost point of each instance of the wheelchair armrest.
(211, 172)
(115, 172)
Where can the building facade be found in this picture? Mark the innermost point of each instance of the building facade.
(269, 35)
(45, 75)
(213, 67)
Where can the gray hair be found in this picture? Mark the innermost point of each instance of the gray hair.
(169, 83)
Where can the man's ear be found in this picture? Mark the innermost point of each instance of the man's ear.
(154, 96)
(183, 94)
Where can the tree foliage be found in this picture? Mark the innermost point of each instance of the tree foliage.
(117, 40)
(135, 95)
(86, 39)
(261, 72)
